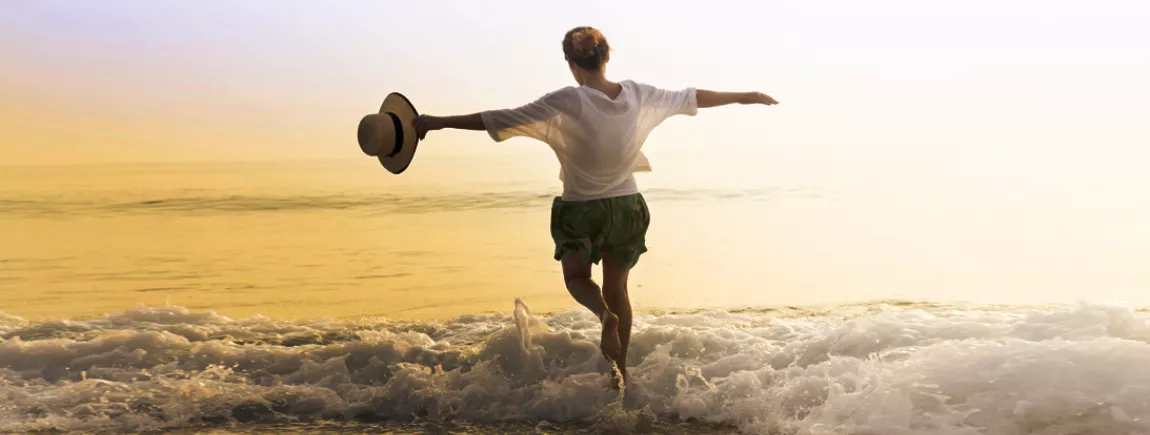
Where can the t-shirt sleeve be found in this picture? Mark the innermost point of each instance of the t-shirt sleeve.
(661, 104)
(531, 120)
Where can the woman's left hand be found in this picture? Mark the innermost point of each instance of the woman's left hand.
(426, 123)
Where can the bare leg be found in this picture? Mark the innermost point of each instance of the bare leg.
(577, 274)
(619, 302)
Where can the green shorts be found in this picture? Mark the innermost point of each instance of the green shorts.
(615, 225)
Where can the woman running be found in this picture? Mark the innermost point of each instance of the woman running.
(596, 130)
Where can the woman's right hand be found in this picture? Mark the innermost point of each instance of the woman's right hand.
(757, 98)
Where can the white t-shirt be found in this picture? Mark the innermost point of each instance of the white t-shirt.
(598, 140)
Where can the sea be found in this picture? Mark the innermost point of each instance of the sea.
(329, 296)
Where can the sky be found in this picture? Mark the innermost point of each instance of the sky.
(878, 84)
(992, 144)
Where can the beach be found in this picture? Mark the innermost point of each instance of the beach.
(319, 297)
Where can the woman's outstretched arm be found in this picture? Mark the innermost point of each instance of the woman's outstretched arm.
(532, 120)
(425, 123)
(707, 98)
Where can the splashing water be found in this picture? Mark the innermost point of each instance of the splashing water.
(862, 369)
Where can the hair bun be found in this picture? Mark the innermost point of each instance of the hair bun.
(586, 47)
(585, 41)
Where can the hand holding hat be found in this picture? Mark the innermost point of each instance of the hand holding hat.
(426, 123)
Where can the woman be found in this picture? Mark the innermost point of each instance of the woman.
(596, 130)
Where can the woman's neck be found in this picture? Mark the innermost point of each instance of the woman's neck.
(599, 82)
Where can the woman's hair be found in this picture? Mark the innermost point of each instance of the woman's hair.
(586, 47)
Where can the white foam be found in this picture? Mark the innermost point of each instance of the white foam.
(904, 369)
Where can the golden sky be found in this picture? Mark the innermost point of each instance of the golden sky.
(882, 82)
(1013, 132)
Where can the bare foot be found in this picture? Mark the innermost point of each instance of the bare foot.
(618, 378)
(609, 342)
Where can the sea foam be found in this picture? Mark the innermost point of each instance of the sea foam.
(881, 368)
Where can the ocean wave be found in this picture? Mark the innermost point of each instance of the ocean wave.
(874, 369)
(401, 202)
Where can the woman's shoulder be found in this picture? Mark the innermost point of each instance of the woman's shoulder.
(563, 95)
(640, 89)
(566, 90)
(646, 90)
(635, 84)
(564, 99)
(641, 86)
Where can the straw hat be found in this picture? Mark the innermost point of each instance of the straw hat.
(390, 134)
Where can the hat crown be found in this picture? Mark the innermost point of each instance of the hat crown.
(390, 135)
(377, 134)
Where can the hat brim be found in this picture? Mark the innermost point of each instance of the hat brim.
(399, 105)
